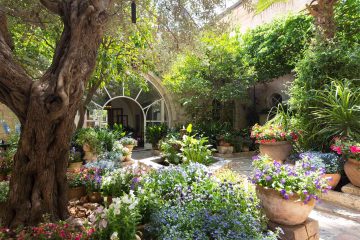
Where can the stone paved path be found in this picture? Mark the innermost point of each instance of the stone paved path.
(332, 227)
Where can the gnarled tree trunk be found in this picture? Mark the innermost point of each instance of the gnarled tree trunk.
(46, 109)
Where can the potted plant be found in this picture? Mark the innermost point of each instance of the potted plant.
(129, 143)
(225, 141)
(274, 140)
(350, 150)
(92, 177)
(76, 185)
(330, 162)
(286, 192)
(75, 161)
(154, 134)
(88, 139)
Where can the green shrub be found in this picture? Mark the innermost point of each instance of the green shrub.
(155, 133)
(89, 136)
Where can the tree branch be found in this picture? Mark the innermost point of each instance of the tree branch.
(15, 84)
(51, 5)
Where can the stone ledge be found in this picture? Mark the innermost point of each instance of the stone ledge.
(343, 199)
(309, 230)
(351, 189)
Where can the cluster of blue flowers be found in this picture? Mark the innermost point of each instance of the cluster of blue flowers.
(195, 205)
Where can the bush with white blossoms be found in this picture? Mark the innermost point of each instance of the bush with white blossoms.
(119, 221)
(128, 141)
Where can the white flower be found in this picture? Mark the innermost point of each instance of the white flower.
(114, 236)
(117, 210)
(103, 224)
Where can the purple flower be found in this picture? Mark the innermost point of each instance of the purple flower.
(286, 196)
(282, 181)
(283, 192)
(255, 158)
(268, 178)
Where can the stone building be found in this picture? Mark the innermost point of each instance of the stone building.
(136, 108)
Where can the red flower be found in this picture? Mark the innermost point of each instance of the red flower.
(355, 149)
(336, 149)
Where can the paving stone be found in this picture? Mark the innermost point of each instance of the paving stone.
(343, 199)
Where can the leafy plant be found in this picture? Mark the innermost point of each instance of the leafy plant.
(128, 141)
(338, 111)
(119, 221)
(196, 150)
(89, 136)
(74, 156)
(170, 150)
(74, 178)
(118, 182)
(302, 180)
(155, 133)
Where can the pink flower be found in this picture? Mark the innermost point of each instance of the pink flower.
(355, 149)
(336, 149)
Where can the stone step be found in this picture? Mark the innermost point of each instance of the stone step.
(351, 189)
(344, 199)
(336, 209)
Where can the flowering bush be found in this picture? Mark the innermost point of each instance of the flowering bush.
(119, 148)
(118, 182)
(92, 178)
(328, 161)
(119, 221)
(186, 202)
(4, 191)
(347, 148)
(272, 133)
(74, 178)
(302, 180)
(128, 141)
(44, 231)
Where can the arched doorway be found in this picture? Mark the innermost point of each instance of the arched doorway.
(127, 112)
(133, 106)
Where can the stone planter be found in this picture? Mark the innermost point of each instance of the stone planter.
(76, 193)
(333, 179)
(95, 197)
(277, 151)
(287, 212)
(75, 165)
(225, 149)
(352, 170)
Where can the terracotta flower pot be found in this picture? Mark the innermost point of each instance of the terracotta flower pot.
(287, 212)
(352, 170)
(76, 193)
(75, 165)
(130, 147)
(333, 179)
(278, 151)
(95, 197)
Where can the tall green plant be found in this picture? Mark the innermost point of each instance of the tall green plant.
(338, 113)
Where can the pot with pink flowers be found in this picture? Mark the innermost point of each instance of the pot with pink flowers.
(350, 150)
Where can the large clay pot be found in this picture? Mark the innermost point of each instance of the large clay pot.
(130, 147)
(75, 165)
(76, 193)
(352, 170)
(287, 212)
(278, 151)
(333, 179)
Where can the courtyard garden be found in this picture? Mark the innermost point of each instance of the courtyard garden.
(60, 180)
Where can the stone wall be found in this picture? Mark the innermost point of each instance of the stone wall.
(9, 117)
(238, 17)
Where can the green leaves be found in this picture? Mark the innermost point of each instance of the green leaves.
(338, 113)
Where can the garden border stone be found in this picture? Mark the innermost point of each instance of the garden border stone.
(309, 230)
